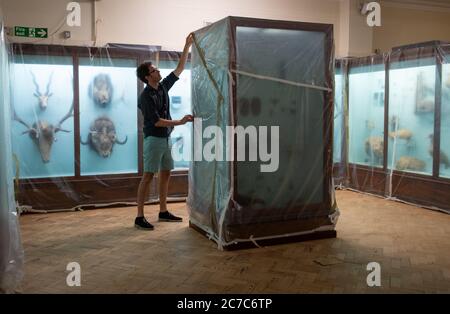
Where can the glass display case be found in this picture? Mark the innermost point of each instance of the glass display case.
(77, 131)
(270, 103)
(108, 116)
(43, 126)
(411, 115)
(284, 100)
(366, 113)
(398, 145)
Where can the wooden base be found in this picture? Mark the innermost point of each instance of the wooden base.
(410, 187)
(274, 241)
(66, 193)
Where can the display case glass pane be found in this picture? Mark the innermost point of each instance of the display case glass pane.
(411, 115)
(297, 111)
(108, 116)
(338, 116)
(366, 115)
(180, 105)
(42, 97)
(444, 169)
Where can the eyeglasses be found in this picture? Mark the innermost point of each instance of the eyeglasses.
(154, 70)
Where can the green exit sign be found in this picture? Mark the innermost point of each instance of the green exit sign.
(35, 32)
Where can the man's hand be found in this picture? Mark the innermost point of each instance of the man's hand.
(164, 123)
(189, 40)
(184, 55)
(187, 118)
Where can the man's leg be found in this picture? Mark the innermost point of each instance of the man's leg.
(152, 158)
(164, 177)
(143, 190)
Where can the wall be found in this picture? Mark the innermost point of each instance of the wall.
(355, 34)
(344, 28)
(50, 14)
(360, 33)
(161, 22)
(403, 25)
(166, 23)
(169, 25)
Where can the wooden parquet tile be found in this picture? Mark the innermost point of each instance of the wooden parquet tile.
(410, 243)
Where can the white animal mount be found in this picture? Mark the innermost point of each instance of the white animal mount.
(43, 133)
(42, 97)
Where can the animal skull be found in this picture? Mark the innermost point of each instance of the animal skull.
(42, 97)
(43, 133)
(102, 136)
(102, 89)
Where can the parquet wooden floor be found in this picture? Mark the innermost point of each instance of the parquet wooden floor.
(411, 244)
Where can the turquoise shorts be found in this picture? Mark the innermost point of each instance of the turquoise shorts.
(157, 154)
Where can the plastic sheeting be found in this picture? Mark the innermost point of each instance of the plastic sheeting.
(11, 252)
(340, 121)
(77, 128)
(274, 80)
(396, 138)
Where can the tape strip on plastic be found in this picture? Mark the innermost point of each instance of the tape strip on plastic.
(274, 79)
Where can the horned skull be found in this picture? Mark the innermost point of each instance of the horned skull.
(42, 97)
(102, 136)
(43, 133)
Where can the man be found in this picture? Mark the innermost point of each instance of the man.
(155, 107)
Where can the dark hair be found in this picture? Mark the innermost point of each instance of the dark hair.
(143, 70)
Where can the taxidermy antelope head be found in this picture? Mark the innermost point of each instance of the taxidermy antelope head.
(42, 97)
(43, 133)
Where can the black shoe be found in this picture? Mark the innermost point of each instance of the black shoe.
(166, 216)
(142, 223)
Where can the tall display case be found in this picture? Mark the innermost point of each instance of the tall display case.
(233, 200)
(398, 124)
